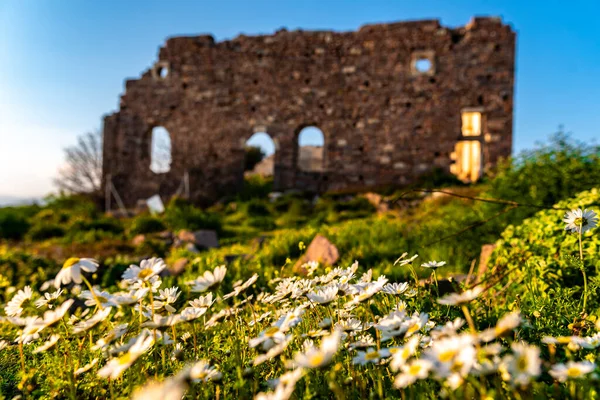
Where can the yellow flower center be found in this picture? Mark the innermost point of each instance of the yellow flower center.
(271, 331)
(414, 369)
(145, 273)
(573, 372)
(70, 262)
(126, 358)
(200, 375)
(405, 352)
(317, 359)
(372, 355)
(413, 329)
(522, 363)
(500, 331)
(447, 355)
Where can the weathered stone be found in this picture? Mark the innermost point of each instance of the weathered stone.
(191, 248)
(363, 89)
(185, 236)
(381, 204)
(178, 267)
(138, 240)
(321, 250)
(206, 239)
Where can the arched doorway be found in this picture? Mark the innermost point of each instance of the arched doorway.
(311, 154)
(259, 155)
(160, 151)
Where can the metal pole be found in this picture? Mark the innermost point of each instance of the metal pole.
(108, 184)
(118, 198)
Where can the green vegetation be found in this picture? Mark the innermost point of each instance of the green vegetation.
(525, 330)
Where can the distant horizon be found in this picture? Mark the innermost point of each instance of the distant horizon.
(65, 63)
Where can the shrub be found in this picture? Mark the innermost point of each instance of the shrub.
(182, 215)
(256, 208)
(13, 224)
(255, 187)
(146, 224)
(45, 231)
(547, 174)
(109, 225)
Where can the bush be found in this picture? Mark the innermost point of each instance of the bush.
(109, 225)
(255, 187)
(146, 224)
(13, 225)
(547, 174)
(45, 231)
(256, 208)
(182, 215)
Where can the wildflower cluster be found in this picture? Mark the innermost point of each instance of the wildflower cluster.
(357, 331)
(304, 326)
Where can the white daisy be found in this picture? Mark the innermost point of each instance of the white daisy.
(202, 302)
(14, 307)
(578, 220)
(417, 369)
(452, 357)
(133, 297)
(71, 270)
(268, 338)
(240, 288)
(395, 288)
(92, 321)
(571, 370)
(172, 388)
(505, 325)
(323, 295)
(167, 297)
(47, 345)
(433, 264)
(86, 368)
(316, 357)
(97, 297)
(114, 334)
(208, 279)
(202, 371)
(400, 355)
(48, 299)
(116, 366)
(401, 261)
(145, 272)
(371, 355)
(53, 316)
(523, 365)
(455, 299)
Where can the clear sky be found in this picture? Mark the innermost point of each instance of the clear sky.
(63, 63)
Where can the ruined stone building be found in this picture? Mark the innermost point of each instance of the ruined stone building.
(394, 102)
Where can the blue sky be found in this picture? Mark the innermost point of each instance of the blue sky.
(63, 63)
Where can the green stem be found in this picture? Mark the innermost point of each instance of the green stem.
(22, 355)
(465, 311)
(585, 290)
(87, 283)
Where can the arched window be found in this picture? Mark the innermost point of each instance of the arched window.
(160, 151)
(310, 149)
(259, 156)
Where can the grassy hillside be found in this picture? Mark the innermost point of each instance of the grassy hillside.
(344, 331)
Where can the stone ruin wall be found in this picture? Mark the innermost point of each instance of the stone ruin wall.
(383, 121)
